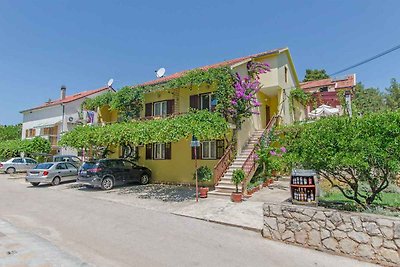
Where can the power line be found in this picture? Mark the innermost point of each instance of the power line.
(368, 60)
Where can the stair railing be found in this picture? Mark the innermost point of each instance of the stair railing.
(223, 164)
(250, 165)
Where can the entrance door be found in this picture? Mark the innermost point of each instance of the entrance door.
(267, 115)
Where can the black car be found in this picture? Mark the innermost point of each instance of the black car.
(107, 173)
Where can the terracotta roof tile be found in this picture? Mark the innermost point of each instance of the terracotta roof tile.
(216, 65)
(69, 98)
(348, 81)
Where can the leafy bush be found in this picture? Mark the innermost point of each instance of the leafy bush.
(11, 132)
(237, 177)
(204, 174)
(348, 151)
(14, 148)
(203, 124)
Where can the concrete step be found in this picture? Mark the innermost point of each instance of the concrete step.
(217, 194)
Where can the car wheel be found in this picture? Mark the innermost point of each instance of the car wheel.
(56, 181)
(35, 184)
(144, 179)
(107, 183)
(10, 170)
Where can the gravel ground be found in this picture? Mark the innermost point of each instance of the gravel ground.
(166, 193)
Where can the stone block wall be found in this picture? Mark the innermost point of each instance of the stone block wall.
(368, 237)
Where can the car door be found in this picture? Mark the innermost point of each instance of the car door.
(18, 164)
(72, 172)
(132, 173)
(62, 171)
(30, 163)
(118, 171)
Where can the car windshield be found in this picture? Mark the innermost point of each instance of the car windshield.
(44, 166)
(88, 165)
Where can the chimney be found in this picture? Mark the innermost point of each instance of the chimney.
(63, 92)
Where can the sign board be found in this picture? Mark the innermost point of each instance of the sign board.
(195, 142)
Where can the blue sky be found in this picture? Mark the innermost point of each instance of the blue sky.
(82, 44)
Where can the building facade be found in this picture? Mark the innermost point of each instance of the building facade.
(53, 118)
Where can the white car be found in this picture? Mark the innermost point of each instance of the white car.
(17, 165)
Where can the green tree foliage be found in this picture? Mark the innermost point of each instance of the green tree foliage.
(393, 95)
(348, 151)
(368, 100)
(313, 75)
(203, 124)
(11, 132)
(13, 148)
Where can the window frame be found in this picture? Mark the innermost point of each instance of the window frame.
(211, 96)
(162, 151)
(211, 149)
(163, 104)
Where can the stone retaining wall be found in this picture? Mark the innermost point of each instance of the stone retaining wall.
(365, 236)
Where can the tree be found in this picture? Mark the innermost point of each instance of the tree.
(313, 75)
(358, 155)
(368, 100)
(393, 95)
(11, 132)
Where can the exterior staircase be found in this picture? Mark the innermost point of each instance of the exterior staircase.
(225, 187)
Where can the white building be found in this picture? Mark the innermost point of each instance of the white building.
(55, 117)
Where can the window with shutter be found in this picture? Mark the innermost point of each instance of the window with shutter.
(168, 154)
(198, 152)
(170, 107)
(194, 101)
(209, 150)
(160, 108)
(220, 148)
(149, 151)
(148, 110)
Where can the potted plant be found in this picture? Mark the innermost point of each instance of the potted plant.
(237, 178)
(204, 175)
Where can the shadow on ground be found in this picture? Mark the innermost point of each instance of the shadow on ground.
(167, 193)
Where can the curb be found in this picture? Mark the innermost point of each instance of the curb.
(249, 228)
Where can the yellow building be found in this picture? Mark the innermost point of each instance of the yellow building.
(174, 162)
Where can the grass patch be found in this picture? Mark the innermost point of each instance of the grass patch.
(388, 203)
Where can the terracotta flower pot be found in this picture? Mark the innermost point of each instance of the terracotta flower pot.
(203, 192)
(236, 197)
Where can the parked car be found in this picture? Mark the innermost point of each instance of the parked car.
(68, 158)
(52, 173)
(17, 165)
(107, 173)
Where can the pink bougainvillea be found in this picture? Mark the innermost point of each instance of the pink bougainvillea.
(245, 98)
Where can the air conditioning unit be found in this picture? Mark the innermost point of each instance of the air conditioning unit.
(74, 120)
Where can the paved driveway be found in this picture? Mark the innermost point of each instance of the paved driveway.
(105, 229)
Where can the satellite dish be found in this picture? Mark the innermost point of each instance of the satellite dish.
(160, 72)
(110, 82)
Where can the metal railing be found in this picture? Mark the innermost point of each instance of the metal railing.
(250, 165)
(223, 164)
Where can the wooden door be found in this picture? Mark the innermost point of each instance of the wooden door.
(267, 115)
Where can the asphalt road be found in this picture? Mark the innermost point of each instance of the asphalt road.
(107, 233)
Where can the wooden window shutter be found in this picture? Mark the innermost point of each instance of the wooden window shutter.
(168, 151)
(148, 110)
(170, 106)
(149, 151)
(220, 148)
(194, 101)
(198, 152)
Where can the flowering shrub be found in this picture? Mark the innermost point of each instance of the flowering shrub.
(244, 99)
(269, 157)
